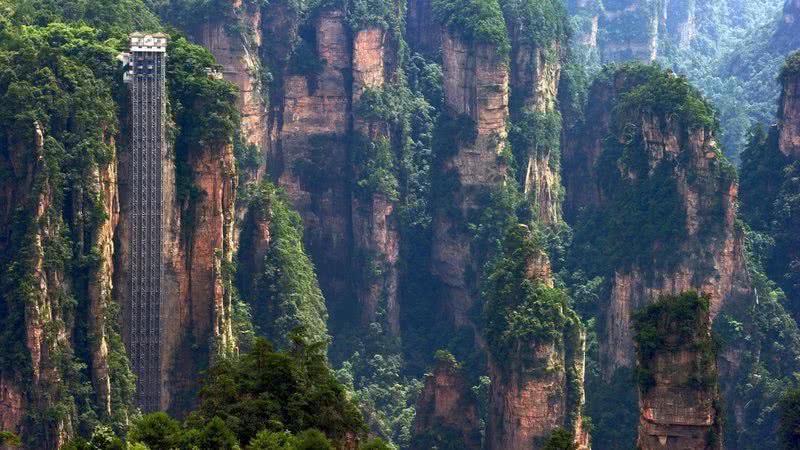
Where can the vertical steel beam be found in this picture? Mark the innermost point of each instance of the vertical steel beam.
(148, 108)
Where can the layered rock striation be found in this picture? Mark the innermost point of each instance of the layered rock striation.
(678, 389)
(536, 366)
(476, 98)
(661, 179)
(447, 409)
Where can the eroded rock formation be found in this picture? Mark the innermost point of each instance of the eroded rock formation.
(60, 281)
(678, 390)
(682, 164)
(789, 112)
(537, 373)
(535, 73)
(634, 29)
(447, 410)
(476, 92)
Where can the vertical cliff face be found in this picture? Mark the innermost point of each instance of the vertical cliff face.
(536, 369)
(476, 92)
(375, 234)
(308, 155)
(634, 29)
(680, 23)
(789, 108)
(629, 30)
(423, 31)
(63, 366)
(786, 36)
(535, 73)
(447, 412)
(58, 335)
(198, 241)
(678, 390)
(695, 243)
(237, 51)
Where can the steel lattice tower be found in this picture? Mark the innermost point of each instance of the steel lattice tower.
(146, 80)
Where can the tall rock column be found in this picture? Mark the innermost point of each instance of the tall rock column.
(789, 112)
(423, 31)
(234, 38)
(308, 156)
(661, 200)
(447, 409)
(535, 133)
(376, 246)
(476, 98)
(536, 368)
(629, 30)
(198, 241)
(678, 388)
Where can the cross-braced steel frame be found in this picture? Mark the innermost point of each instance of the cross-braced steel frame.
(148, 108)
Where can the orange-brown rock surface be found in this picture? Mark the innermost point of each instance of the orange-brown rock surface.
(534, 80)
(707, 191)
(375, 233)
(789, 114)
(537, 384)
(447, 407)
(308, 154)
(720, 272)
(476, 86)
(678, 390)
(33, 401)
(198, 240)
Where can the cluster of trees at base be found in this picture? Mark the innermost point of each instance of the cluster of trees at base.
(263, 400)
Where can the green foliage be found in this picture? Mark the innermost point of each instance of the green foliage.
(59, 80)
(543, 23)
(791, 68)
(479, 21)
(672, 324)
(192, 14)
(376, 444)
(282, 290)
(673, 97)
(373, 162)
(768, 344)
(385, 14)
(273, 440)
(204, 111)
(10, 439)
(761, 177)
(103, 438)
(733, 59)
(521, 309)
(275, 391)
(645, 218)
(113, 18)
(790, 420)
(157, 431)
(313, 440)
(384, 395)
(560, 439)
(536, 134)
(613, 406)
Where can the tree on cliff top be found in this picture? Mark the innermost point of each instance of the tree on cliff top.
(479, 21)
(519, 307)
